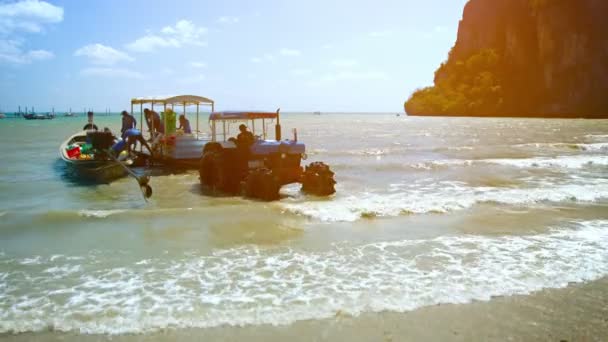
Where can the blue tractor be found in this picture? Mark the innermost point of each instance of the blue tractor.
(251, 164)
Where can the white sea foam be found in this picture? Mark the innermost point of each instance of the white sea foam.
(250, 286)
(558, 162)
(441, 197)
(596, 146)
(597, 137)
(567, 162)
(99, 213)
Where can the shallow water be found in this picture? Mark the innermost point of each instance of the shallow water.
(428, 211)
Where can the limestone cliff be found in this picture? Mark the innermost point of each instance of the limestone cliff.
(524, 58)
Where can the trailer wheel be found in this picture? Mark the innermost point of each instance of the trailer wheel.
(318, 180)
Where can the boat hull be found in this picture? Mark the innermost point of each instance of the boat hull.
(98, 173)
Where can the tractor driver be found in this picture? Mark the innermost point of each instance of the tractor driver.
(245, 138)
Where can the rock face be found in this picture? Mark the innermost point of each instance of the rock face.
(538, 58)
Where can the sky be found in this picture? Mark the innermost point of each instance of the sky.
(307, 55)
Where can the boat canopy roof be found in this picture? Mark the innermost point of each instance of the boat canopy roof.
(248, 115)
(174, 100)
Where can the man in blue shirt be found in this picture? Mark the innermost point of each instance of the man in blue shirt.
(130, 138)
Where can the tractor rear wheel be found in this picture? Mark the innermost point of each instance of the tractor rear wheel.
(206, 170)
(318, 179)
(217, 173)
(262, 184)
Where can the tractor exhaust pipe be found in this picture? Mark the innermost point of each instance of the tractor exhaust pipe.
(277, 127)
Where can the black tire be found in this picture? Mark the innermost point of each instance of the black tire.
(318, 180)
(262, 184)
(227, 176)
(218, 172)
(206, 170)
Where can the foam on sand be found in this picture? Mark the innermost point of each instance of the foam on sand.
(251, 286)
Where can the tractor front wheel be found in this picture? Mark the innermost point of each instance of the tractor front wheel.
(318, 180)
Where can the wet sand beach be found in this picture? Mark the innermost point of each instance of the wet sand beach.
(576, 313)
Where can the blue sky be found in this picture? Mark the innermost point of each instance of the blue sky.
(340, 55)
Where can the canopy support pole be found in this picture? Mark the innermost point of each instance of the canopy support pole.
(197, 131)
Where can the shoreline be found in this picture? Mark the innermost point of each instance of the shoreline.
(578, 312)
(516, 116)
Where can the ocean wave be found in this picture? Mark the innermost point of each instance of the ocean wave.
(558, 162)
(597, 137)
(594, 147)
(440, 197)
(566, 162)
(253, 286)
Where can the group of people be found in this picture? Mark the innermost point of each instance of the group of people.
(131, 135)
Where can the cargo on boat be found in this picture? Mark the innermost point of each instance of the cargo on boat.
(85, 153)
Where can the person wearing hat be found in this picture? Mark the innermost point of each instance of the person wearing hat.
(128, 122)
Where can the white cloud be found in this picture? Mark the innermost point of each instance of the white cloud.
(227, 20)
(344, 63)
(111, 73)
(199, 65)
(191, 80)
(301, 72)
(355, 76)
(11, 52)
(103, 55)
(290, 52)
(378, 34)
(184, 33)
(39, 55)
(266, 58)
(28, 16)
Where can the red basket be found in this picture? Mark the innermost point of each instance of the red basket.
(74, 152)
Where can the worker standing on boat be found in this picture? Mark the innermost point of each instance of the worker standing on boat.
(90, 125)
(128, 122)
(155, 125)
(184, 124)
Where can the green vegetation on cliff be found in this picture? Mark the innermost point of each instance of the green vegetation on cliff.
(463, 86)
(523, 58)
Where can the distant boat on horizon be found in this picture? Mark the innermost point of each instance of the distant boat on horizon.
(316, 113)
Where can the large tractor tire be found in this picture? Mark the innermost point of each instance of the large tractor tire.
(262, 184)
(318, 180)
(206, 170)
(217, 173)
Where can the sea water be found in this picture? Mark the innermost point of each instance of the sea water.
(427, 211)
